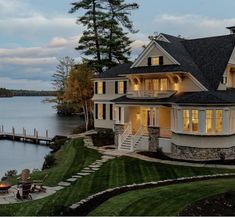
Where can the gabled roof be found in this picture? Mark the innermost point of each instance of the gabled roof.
(212, 56)
(205, 59)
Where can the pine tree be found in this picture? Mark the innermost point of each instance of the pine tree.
(91, 41)
(118, 42)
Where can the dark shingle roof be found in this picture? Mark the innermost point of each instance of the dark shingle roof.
(187, 98)
(116, 71)
(212, 56)
(206, 59)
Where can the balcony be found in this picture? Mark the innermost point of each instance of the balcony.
(143, 94)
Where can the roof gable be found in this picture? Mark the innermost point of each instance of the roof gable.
(148, 52)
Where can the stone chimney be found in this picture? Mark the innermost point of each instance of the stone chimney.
(231, 29)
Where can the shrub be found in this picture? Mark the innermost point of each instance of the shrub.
(104, 137)
(57, 144)
(49, 161)
(9, 175)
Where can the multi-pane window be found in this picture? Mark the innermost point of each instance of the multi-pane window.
(155, 61)
(209, 121)
(186, 120)
(195, 121)
(219, 121)
(100, 112)
(164, 84)
(121, 87)
(100, 87)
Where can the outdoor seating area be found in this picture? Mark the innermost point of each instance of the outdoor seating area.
(25, 190)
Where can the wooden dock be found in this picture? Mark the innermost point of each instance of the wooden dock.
(36, 139)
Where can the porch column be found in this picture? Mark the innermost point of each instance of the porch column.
(151, 117)
(172, 120)
(122, 113)
(180, 120)
(156, 117)
(225, 121)
(202, 121)
(117, 115)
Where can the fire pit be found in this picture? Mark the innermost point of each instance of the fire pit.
(4, 187)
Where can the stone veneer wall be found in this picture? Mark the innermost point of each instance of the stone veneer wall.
(154, 133)
(202, 154)
(118, 129)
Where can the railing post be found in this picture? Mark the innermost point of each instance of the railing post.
(47, 134)
(13, 133)
(2, 128)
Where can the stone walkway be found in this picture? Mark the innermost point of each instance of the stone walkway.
(95, 166)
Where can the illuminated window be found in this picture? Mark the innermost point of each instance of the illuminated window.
(155, 61)
(100, 112)
(100, 87)
(164, 84)
(148, 85)
(219, 121)
(121, 87)
(195, 121)
(209, 121)
(186, 121)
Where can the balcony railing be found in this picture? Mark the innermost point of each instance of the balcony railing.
(150, 94)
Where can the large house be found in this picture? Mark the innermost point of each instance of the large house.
(178, 95)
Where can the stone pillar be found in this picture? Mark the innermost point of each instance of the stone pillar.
(154, 133)
(118, 130)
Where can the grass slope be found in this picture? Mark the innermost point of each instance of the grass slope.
(162, 201)
(117, 172)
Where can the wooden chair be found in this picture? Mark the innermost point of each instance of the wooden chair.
(38, 184)
(24, 177)
(26, 190)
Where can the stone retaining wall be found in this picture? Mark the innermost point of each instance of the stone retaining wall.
(202, 154)
(85, 206)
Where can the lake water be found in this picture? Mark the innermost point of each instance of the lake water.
(29, 113)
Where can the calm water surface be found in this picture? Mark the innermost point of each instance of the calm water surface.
(29, 113)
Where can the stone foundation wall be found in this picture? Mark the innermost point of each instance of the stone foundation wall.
(118, 129)
(202, 154)
(154, 133)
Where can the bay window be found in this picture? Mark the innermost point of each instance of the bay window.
(186, 121)
(195, 121)
(209, 121)
(219, 121)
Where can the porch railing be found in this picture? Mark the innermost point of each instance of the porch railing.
(150, 94)
(127, 132)
(137, 137)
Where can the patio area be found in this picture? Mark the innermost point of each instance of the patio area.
(10, 196)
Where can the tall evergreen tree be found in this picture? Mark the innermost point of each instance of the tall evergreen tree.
(90, 42)
(104, 41)
(118, 42)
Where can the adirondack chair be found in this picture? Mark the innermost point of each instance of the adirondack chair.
(38, 185)
(24, 177)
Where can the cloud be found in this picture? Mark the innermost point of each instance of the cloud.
(192, 25)
(24, 83)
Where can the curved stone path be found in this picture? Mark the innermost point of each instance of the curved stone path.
(11, 199)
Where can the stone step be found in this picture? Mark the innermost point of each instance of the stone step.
(72, 180)
(83, 174)
(64, 184)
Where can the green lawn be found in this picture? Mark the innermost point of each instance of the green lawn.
(162, 201)
(117, 172)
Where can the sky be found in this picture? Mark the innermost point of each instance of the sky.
(36, 34)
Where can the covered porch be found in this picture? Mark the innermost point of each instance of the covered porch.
(145, 117)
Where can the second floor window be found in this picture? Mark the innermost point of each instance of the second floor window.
(155, 61)
(120, 87)
(156, 84)
(100, 87)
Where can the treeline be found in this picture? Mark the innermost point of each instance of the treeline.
(32, 93)
(5, 93)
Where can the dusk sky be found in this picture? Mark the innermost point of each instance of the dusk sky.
(35, 34)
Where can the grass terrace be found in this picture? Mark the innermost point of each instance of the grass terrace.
(73, 157)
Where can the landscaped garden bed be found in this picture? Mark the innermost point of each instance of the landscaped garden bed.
(218, 205)
(103, 138)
